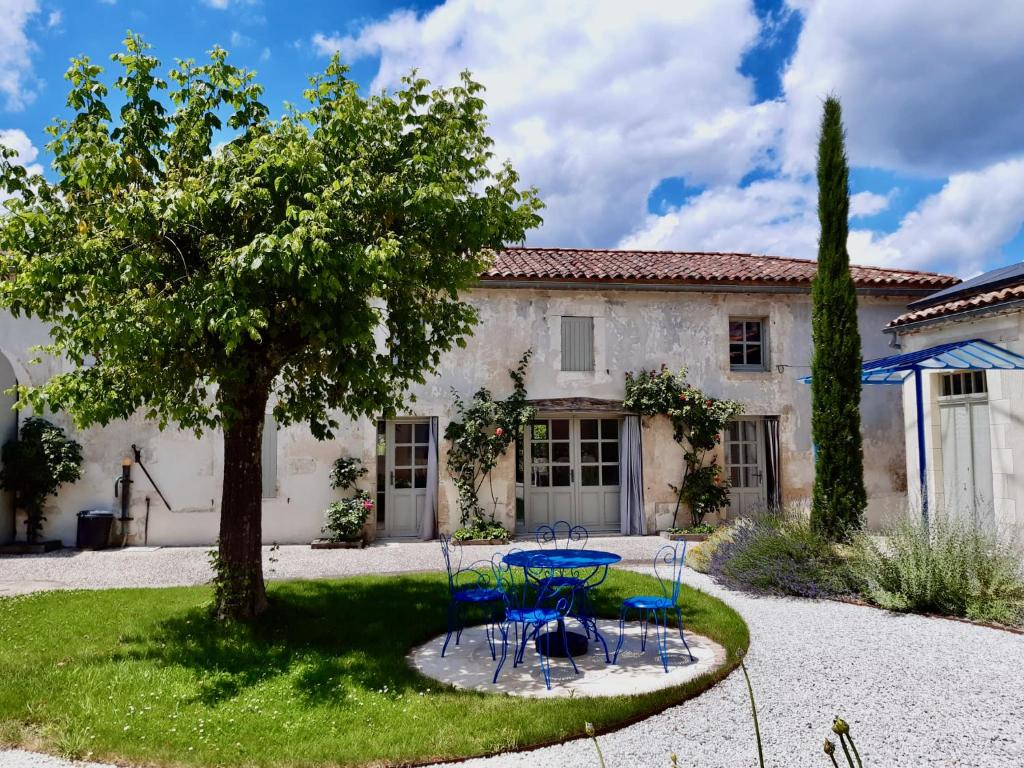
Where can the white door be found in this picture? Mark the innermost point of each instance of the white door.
(407, 445)
(966, 449)
(744, 466)
(572, 472)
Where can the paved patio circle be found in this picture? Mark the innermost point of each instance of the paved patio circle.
(469, 665)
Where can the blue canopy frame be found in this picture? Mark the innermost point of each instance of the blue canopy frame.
(971, 355)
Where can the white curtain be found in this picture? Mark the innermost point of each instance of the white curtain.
(771, 438)
(631, 479)
(428, 521)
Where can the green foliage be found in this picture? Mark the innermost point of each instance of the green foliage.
(35, 465)
(481, 529)
(345, 471)
(697, 424)
(200, 255)
(839, 497)
(345, 518)
(777, 554)
(307, 678)
(698, 556)
(482, 431)
(944, 567)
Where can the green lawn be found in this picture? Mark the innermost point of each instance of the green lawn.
(144, 676)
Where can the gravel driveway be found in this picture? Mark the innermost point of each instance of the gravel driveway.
(916, 691)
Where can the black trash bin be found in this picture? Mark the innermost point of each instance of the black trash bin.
(94, 528)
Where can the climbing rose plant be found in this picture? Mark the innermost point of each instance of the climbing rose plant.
(479, 437)
(697, 424)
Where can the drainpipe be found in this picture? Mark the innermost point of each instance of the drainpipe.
(122, 489)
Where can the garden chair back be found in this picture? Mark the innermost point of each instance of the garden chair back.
(561, 533)
(469, 586)
(668, 569)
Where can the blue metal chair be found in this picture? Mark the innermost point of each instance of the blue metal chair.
(571, 534)
(657, 607)
(530, 608)
(563, 535)
(469, 586)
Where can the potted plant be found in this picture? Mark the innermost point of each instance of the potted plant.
(344, 519)
(35, 466)
(483, 431)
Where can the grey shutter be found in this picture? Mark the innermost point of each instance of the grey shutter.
(268, 454)
(577, 343)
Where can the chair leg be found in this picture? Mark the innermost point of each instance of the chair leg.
(679, 621)
(504, 651)
(661, 627)
(525, 639)
(492, 623)
(622, 634)
(599, 636)
(545, 663)
(565, 643)
(458, 623)
(645, 618)
(452, 608)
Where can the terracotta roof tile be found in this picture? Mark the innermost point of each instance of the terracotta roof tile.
(522, 263)
(978, 301)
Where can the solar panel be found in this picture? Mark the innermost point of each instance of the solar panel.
(1012, 274)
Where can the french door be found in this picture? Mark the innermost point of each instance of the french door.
(571, 470)
(745, 466)
(966, 448)
(403, 475)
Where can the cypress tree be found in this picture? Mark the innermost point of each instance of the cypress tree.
(839, 497)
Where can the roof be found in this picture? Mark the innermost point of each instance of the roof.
(987, 282)
(969, 355)
(988, 291)
(523, 264)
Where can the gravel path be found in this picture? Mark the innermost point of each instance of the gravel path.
(916, 691)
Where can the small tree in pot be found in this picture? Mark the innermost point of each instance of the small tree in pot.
(35, 465)
(345, 518)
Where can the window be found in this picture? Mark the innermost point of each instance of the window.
(268, 456)
(382, 469)
(966, 384)
(577, 343)
(748, 345)
(599, 452)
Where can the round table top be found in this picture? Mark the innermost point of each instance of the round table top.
(560, 558)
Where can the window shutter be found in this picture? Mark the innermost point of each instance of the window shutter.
(577, 343)
(268, 454)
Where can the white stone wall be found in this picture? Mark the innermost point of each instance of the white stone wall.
(632, 329)
(1006, 417)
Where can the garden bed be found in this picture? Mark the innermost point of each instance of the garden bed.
(338, 544)
(145, 676)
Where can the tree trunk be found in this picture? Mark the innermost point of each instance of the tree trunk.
(240, 591)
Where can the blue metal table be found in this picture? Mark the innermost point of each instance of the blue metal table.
(590, 567)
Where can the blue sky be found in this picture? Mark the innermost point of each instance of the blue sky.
(657, 125)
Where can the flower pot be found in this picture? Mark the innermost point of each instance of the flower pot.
(357, 543)
(684, 536)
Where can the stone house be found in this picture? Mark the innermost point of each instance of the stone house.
(739, 323)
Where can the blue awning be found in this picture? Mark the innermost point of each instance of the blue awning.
(972, 355)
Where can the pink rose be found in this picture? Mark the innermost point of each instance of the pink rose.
(499, 432)
(367, 504)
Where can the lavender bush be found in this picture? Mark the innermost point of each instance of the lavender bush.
(779, 555)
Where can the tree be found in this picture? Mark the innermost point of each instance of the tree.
(839, 498)
(35, 465)
(194, 257)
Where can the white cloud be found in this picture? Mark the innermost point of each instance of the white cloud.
(958, 228)
(17, 83)
(869, 203)
(774, 216)
(932, 87)
(222, 5)
(265, 54)
(238, 40)
(54, 19)
(594, 103)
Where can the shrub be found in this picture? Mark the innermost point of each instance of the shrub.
(944, 567)
(481, 529)
(777, 555)
(345, 472)
(35, 465)
(345, 518)
(699, 555)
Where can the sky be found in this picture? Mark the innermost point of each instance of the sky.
(654, 124)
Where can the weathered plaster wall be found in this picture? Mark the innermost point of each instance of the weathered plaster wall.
(632, 330)
(1006, 419)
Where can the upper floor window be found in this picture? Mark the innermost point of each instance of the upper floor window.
(577, 343)
(748, 344)
(964, 384)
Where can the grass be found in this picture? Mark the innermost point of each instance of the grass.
(145, 676)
